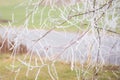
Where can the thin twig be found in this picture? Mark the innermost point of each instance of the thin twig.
(108, 30)
(72, 43)
(92, 10)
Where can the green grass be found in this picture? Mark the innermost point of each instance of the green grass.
(6, 74)
(9, 7)
(9, 2)
(63, 70)
(19, 15)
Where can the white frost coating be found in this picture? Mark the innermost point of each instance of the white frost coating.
(93, 42)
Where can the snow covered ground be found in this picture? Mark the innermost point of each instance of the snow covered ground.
(67, 46)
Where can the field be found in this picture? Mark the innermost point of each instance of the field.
(13, 11)
(63, 70)
(16, 11)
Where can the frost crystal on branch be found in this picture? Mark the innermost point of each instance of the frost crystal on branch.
(93, 42)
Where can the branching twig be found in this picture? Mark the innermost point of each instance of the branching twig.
(88, 12)
(72, 43)
(108, 30)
